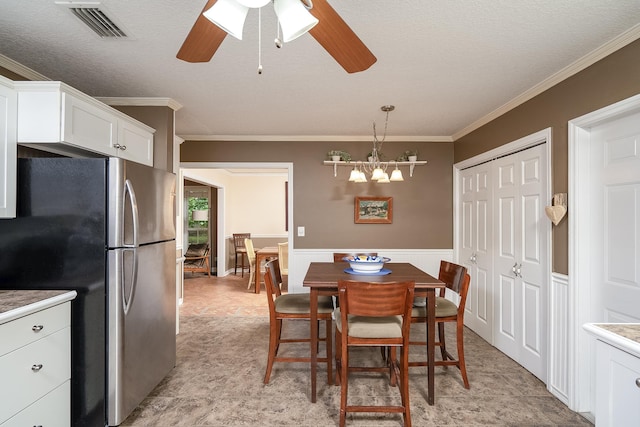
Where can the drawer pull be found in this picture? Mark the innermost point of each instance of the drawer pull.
(37, 328)
(36, 368)
(638, 382)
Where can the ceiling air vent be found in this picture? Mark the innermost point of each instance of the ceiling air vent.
(97, 20)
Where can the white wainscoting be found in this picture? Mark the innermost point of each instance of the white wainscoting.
(425, 259)
(558, 383)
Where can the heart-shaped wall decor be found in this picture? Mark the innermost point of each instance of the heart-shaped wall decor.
(555, 213)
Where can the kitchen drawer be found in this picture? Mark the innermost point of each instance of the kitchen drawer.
(21, 385)
(25, 330)
(50, 411)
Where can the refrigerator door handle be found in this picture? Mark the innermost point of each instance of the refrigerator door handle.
(128, 299)
(128, 191)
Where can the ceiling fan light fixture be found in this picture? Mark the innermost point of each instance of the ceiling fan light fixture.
(294, 18)
(228, 15)
(253, 4)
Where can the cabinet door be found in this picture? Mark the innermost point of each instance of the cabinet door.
(8, 124)
(617, 387)
(134, 143)
(87, 126)
(520, 235)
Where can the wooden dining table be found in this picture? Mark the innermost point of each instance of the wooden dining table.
(263, 254)
(322, 279)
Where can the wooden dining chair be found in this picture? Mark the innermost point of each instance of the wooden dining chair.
(338, 256)
(239, 248)
(251, 255)
(457, 280)
(292, 307)
(373, 315)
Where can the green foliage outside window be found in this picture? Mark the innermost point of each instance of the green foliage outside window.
(198, 230)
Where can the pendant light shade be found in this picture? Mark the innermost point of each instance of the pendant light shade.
(396, 175)
(294, 18)
(228, 15)
(253, 3)
(355, 175)
(377, 174)
(384, 179)
(201, 215)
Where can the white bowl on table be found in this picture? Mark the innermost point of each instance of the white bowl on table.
(366, 264)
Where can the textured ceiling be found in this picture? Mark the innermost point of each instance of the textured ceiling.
(445, 65)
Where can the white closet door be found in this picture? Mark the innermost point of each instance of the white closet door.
(476, 247)
(520, 270)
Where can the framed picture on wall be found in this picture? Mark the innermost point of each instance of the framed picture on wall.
(373, 210)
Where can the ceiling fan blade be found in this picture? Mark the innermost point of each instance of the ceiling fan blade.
(339, 40)
(203, 40)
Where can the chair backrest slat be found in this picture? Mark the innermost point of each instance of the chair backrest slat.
(272, 280)
(238, 240)
(376, 299)
(452, 275)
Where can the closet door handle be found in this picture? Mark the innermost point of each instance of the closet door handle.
(519, 271)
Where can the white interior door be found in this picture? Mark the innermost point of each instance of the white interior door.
(615, 220)
(520, 267)
(475, 247)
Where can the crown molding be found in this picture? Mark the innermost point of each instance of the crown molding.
(589, 59)
(316, 138)
(140, 102)
(20, 69)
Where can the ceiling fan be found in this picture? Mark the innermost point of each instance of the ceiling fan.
(333, 34)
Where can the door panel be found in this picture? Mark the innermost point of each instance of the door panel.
(520, 267)
(615, 220)
(476, 248)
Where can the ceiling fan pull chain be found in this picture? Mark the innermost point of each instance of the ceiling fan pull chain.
(260, 41)
(278, 40)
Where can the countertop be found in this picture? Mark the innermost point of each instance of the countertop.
(625, 336)
(15, 304)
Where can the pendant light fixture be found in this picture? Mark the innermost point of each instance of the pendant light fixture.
(374, 165)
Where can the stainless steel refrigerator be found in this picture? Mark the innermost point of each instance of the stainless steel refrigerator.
(105, 228)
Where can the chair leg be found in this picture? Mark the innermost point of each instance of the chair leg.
(392, 361)
(344, 373)
(329, 348)
(235, 268)
(338, 357)
(275, 329)
(251, 276)
(404, 386)
(461, 364)
(443, 345)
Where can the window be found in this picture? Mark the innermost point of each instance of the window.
(197, 201)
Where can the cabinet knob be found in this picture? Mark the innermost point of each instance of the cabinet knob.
(637, 382)
(37, 328)
(36, 368)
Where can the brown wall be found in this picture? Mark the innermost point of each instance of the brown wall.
(422, 205)
(610, 80)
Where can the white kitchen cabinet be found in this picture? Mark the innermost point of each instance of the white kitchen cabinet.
(617, 373)
(53, 116)
(617, 387)
(8, 122)
(35, 367)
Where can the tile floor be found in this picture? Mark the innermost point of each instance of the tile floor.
(221, 357)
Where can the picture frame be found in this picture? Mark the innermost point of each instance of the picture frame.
(373, 210)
